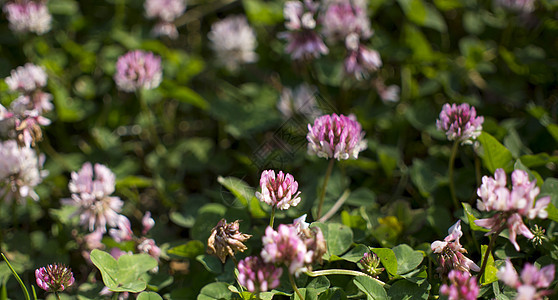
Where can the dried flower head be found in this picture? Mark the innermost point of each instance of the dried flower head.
(462, 286)
(279, 191)
(334, 136)
(226, 239)
(510, 205)
(233, 42)
(54, 278)
(138, 70)
(533, 283)
(28, 16)
(460, 122)
(451, 253)
(257, 275)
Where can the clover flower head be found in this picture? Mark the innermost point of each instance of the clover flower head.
(226, 239)
(334, 136)
(279, 191)
(285, 246)
(148, 246)
(370, 264)
(303, 41)
(301, 100)
(19, 171)
(462, 286)
(124, 231)
(233, 41)
(91, 195)
(54, 277)
(166, 11)
(137, 70)
(257, 275)
(27, 78)
(510, 205)
(451, 253)
(343, 18)
(460, 122)
(28, 16)
(533, 283)
(361, 61)
(147, 222)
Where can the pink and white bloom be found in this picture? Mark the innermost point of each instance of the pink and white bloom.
(279, 191)
(462, 286)
(27, 78)
(233, 41)
(91, 195)
(147, 222)
(20, 171)
(533, 283)
(510, 205)
(460, 122)
(360, 60)
(334, 136)
(343, 18)
(166, 12)
(303, 41)
(124, 231)
(451, 253)
(301, 100)
(285, 246)
(28, 16)
(137, 70)
(257, 275)
(148, 246)
(54, 277)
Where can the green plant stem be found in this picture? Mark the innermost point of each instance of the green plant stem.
(57, 295)
(342, 272)
(153, 137)
(235, 276)
(324, 187)
(295, 288)
(450, 174)
(488, 250)
(23, 288)
(272, 216)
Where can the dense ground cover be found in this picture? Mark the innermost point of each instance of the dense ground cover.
(340, 149)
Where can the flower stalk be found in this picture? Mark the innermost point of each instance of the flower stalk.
(450, 174)
(295, 288)
(324, 188)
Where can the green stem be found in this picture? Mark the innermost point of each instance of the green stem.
(488, 250)
(295, 288)
(153, 137)
(450, 173)
(478, 170)
(23, 288)
(324, 187)
(272, 216)
(57, 295)
(342, 272)
(235, 275)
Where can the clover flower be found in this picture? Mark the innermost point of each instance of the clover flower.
(301, 100)
(91, 196)
(165, 11)
(462, 286)
(360, 60)
(19, 171)
(147, 222)
(303, 41)
(54, 278)
(451, 253)
(226, 239)
(138, 70)
(148, 246)
(285, 246)
(343, 18)
(334, 136)
(533, 282)
(510, 205)
(294, 246)
(28, 16)
(233, 42)
(27, 78)
(460, 122)
(279, 191)
(257, 275)
(124, 231)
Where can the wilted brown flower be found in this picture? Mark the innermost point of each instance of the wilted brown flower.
(225, 240)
